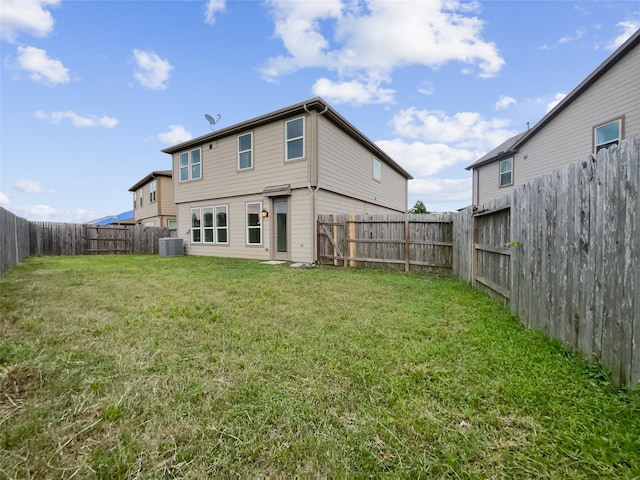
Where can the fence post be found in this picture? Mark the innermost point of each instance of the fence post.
(407, 246)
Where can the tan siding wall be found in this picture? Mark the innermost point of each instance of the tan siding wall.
(328, 202)
(346, 167)
(569, 137)
(165, 197)
(220, 175)
(302, 228)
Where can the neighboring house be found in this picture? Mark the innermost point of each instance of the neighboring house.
(153, 204)
(254, 189)
(600, 112)
(124, 218)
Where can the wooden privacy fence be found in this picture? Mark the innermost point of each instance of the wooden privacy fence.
(564, 252)
(402, 241)
(52, 238)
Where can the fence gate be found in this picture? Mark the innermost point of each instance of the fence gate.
(105, 239)
(491, 250)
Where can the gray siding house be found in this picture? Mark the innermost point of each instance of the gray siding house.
(601, 111)
(254, 189)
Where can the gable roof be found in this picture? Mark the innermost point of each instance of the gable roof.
(504, 150)
(317, 104)
(151, 176)
(522, 138)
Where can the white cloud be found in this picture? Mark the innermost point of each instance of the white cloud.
(570, 38)
(176, 134)
(628, 29)
(4, 200)
(153, 72)
(505, 102)
(48, 213)
(438, 191)
(421, 159)
(556, 100)
(369, 39)
(427, 88)
(76, 120)
(25, 16)
(42, 68)
(466, 130)
(25, 185)
(213, 7)
(353, 92)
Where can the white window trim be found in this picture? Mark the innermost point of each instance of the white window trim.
(287, 140)
(377, 178)
(500, 172)
(189, 165)
(250, 150)
(140, 196)
(204, 228)
(246, 220)
(218, 228)
(619, 121)
(191, 229)
(152, 191)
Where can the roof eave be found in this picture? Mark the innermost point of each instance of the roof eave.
(603, 68)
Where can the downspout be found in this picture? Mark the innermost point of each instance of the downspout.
(313, 191)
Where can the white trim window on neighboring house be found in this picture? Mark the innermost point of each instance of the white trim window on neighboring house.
(140, 196)
(245, 151)
(607, 134)
(254, 223)
(190, 165)
(294, 138)
(152, 191)
(150, 224)
(173, 224)
(377, 170)
(506, 172)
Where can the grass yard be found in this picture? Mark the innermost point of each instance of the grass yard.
(147, 367)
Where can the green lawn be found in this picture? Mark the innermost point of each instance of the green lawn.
(148, 367)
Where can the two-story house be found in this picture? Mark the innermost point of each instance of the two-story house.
(598, 113)
(153, 204)
(254, 189)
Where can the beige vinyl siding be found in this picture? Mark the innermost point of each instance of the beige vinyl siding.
(164, 195)
(148, 209)
(220, 175)
(346, 167)
(302, 239)
(569, 136)
(302, 224)
(237, 247)
(328, 202)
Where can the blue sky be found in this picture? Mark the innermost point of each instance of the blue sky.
(91, 91)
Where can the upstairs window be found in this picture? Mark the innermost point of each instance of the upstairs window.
(506, 172)
(140, 196)
(190, 165)
(607, 135)
(294, 135)
(245, 151)
(135, 200)
(152, 191)
(377, 169)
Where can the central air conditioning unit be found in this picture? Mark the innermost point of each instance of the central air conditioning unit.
(170, 247)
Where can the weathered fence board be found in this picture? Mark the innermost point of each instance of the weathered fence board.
(397, 241)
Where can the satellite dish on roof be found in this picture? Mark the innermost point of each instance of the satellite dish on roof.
(211, 120)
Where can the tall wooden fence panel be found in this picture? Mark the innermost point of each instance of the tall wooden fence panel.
(52, 238)
(14, 241)
(576, 275)
(395, 241)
